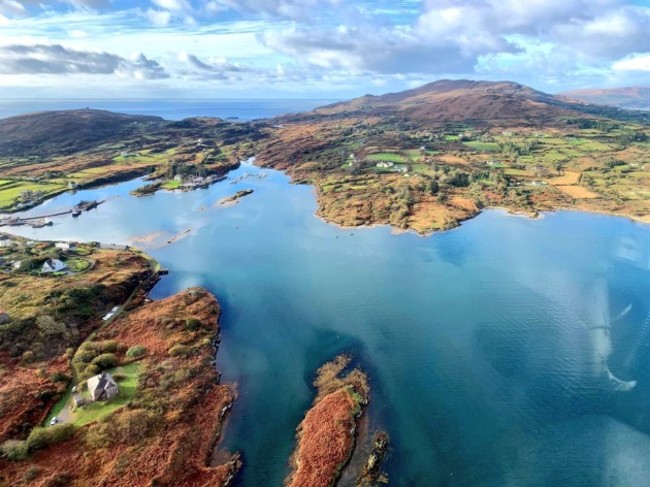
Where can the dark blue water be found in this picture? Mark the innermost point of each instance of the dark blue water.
(499, 353)
(168, 109)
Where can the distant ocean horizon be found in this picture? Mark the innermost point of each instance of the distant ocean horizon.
(170, 109)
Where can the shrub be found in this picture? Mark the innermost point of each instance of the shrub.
(85, 355)
(31, 474)
(180, 350)
(105, 361)
(14, 449)
(62, 479)
(136, 351)
(98, 436)
(192, 324)
(91, 370)
(60, 377)
(105, 346)
(27, 357)
(134, 426)
(42, 437)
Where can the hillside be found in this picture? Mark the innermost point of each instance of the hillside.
(428, 158)
(423, 159)
(64, 132)
(474, 102)
(634, 97)
(162, 425)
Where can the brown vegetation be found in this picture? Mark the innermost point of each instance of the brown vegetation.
(326, 435)
(49, 317)
(165, 434)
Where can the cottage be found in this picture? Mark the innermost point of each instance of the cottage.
(64, 246)
(53, 265)
(102, 387)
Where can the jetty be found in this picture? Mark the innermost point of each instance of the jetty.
(41, 221)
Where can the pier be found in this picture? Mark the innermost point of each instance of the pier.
(41, 220)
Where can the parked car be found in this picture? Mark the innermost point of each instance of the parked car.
(54, 420)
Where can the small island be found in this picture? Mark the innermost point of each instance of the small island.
(234, 199)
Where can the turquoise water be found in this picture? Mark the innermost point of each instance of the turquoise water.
(489, 347)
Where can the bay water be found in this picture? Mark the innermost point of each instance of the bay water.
(479, 342)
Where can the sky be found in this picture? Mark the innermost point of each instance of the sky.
(314, 48)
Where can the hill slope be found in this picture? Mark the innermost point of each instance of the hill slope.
(634, 97)
(65, 132)
(473, 102)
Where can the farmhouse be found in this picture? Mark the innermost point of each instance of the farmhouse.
(64, 245)
(102, 387)
(53, 265)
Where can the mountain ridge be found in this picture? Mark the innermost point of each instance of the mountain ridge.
(629, 97)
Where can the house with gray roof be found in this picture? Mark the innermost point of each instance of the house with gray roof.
(102, 386)
(53, 265)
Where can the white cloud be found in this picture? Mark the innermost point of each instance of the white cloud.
(635, 62)
(325, 44)
(58, 60)
(159, 18)
(173, 5)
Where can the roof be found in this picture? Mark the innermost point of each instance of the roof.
(100, 384)
(54, 265)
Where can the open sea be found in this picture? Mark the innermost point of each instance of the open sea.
(168, 108)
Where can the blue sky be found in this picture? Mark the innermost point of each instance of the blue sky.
(314, 48)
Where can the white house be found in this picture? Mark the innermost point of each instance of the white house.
(53, 265)
(64, 245)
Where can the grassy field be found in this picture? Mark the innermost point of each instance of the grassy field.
(94, 411)
(12, 190)
(482, 146)
(77, 265)
(171, 184)
(100, 409)
(388, 157)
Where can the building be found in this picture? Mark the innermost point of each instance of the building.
(102, 387)
(64, 245)
(4, 317)
(78, 400)
(53, 265)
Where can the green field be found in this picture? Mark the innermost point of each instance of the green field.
(9, 192)
(387, 157)
(171, 184)
(77, 265)
(95, 411)
(482, 146)
(100, 409)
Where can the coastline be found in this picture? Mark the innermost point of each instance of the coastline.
(188, 437)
